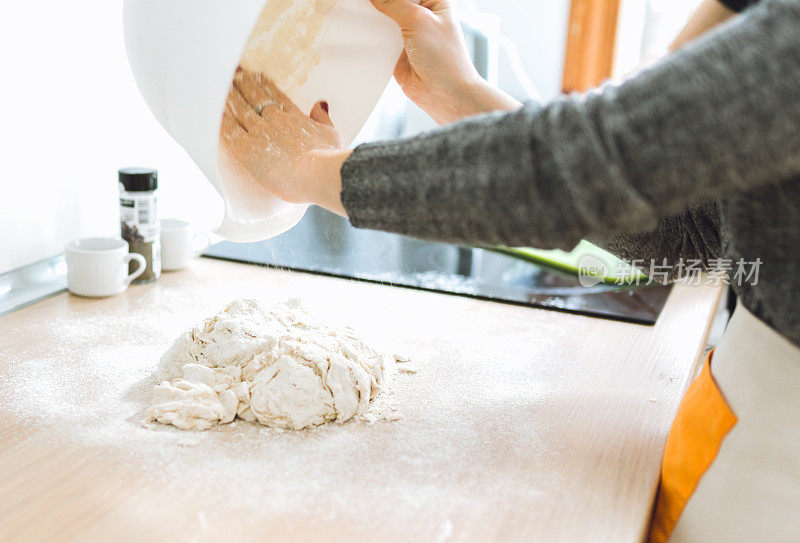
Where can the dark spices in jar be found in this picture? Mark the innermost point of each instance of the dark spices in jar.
(138, 210)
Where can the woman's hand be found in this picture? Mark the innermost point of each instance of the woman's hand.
(266, 139)
(435, 71)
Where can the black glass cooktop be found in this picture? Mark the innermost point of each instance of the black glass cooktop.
(326, 244)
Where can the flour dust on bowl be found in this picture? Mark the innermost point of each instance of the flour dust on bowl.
(184, 53)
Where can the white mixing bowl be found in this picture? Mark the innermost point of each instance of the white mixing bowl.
(183, 54)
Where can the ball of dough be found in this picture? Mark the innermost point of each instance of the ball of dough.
(280, 367)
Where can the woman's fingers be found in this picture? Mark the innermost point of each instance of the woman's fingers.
(277, 95)
(242, 111)
(436, 5)
(231, 133)
(230, 126)
(404, 12)
(251, 89)
(403, 69)
(259, 117)
(261, 93)
(321, 113)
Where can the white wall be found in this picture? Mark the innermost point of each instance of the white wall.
(71, 117)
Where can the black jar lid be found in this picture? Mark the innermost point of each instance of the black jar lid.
(138, 179)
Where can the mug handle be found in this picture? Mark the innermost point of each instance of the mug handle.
(138, 271)
(206, 243)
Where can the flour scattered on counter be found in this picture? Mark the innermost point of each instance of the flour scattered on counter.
(404, 364)
(280, 367)
(381, 409)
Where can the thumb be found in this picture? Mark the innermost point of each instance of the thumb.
(403, 12)
(320, 113)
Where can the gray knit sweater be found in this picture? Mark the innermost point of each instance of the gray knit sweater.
(696, 157)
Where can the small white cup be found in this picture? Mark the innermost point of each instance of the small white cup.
(179, 245)
(98, 267)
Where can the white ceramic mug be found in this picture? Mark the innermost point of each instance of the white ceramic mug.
(98, 267)
(179, 245)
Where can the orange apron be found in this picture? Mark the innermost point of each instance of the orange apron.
(701, 424)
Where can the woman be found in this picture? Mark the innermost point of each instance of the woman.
(695, 157)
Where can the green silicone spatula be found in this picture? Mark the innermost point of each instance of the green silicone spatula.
(586, 260)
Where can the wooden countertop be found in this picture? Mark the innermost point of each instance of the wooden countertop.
(521, 425)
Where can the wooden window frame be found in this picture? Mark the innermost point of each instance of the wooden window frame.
(591, 41)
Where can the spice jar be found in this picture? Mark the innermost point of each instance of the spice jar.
(138, 210)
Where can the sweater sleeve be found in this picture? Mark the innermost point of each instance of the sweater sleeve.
(691, 235)
(722, 115)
